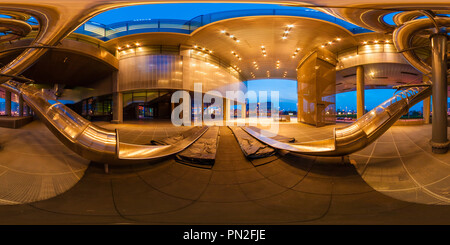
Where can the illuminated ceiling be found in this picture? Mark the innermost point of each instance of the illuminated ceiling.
(260, 47)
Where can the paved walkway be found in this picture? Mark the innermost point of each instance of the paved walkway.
(277, 190)
(35, 166)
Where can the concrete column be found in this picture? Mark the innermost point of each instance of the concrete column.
(360, 91)
(20, 106)
(198, 104)
(7, 103)
(117, 108)
(172, 107)
(243, 110)
(426, 110)
(117, 100)
(439, 141)
(29, 111)
(226, 110)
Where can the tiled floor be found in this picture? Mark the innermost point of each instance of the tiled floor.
(389, 182)
(34, 165)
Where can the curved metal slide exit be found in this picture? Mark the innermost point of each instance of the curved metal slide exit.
(89, 140)
(359, 134)
(103, 145)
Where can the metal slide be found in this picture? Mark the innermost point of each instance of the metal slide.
(359, 134)
(89, 140)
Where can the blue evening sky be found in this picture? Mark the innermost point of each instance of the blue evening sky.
(187, 11)
(288, 95)
(182, 11)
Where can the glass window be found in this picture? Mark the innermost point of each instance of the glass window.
(127, 98)
(151, 96)
(139, 97)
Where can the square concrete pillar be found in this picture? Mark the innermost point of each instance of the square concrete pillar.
(360, 84)
(117, 108)
(226, 110)
(243, 110)
(7, 103)
(426, 110)
(21, 106)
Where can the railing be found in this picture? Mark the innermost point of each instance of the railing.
(108, 32)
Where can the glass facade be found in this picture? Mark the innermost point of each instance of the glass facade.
(108, 32)
(170, 67)
(94, 108)
(150, 71)
(147, 104)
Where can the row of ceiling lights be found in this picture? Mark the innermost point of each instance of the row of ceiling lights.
(230, 36)
(367, 51)
(263, 51)
(128, 46)
(330, 42)
(236, 55)
(237, 68)
(295, 53)
(376, 42)
(203, 49)
(286, 31)
(255, 65)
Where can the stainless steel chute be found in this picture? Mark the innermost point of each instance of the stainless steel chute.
(359, 134)
(89, 140)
